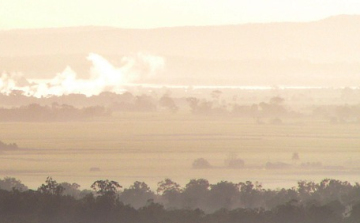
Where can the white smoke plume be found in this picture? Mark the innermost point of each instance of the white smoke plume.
(13, 81)
(103, 77)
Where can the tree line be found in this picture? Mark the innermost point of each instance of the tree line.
(55, 112)
(78, 106)
(330, 201)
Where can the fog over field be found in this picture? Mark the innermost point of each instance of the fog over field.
(319, 53)
(209, 122)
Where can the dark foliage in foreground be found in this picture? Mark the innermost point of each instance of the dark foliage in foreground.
(52, 203)
(34, 206)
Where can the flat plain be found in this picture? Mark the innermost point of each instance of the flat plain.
(149, 147)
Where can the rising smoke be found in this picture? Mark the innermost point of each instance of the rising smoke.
(104, 76)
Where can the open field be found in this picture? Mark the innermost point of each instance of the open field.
(151, 146)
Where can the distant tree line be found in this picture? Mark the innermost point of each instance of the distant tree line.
(55, 112)
(329, 201)
(236, 163)
(339, 113)
(18, 107)
(125, 102)
(10, 146)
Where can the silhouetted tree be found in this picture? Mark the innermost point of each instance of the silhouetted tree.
(234, 163)
(51, 187)
(106, 187)
(330, 190)
(144, 103)
(171, 191)
(71, 189)
(10, 183)
(306, 190)
(201, 163)
(167, 102)
(223, 195)
(137, 194)
(251, 194)
(10, 146)
(195, 193)
(198, 106)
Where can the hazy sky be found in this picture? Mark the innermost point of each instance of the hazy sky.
(160, 13)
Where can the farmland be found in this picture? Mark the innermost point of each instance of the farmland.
(152, 146)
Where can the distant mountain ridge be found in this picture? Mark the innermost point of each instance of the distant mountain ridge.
(247, 52)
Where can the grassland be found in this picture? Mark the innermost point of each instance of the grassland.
(151, 146)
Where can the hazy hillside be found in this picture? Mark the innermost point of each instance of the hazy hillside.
(325, 52)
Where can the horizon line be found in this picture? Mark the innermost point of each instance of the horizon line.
(179, 26)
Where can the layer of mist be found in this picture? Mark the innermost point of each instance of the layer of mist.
(321, 53)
